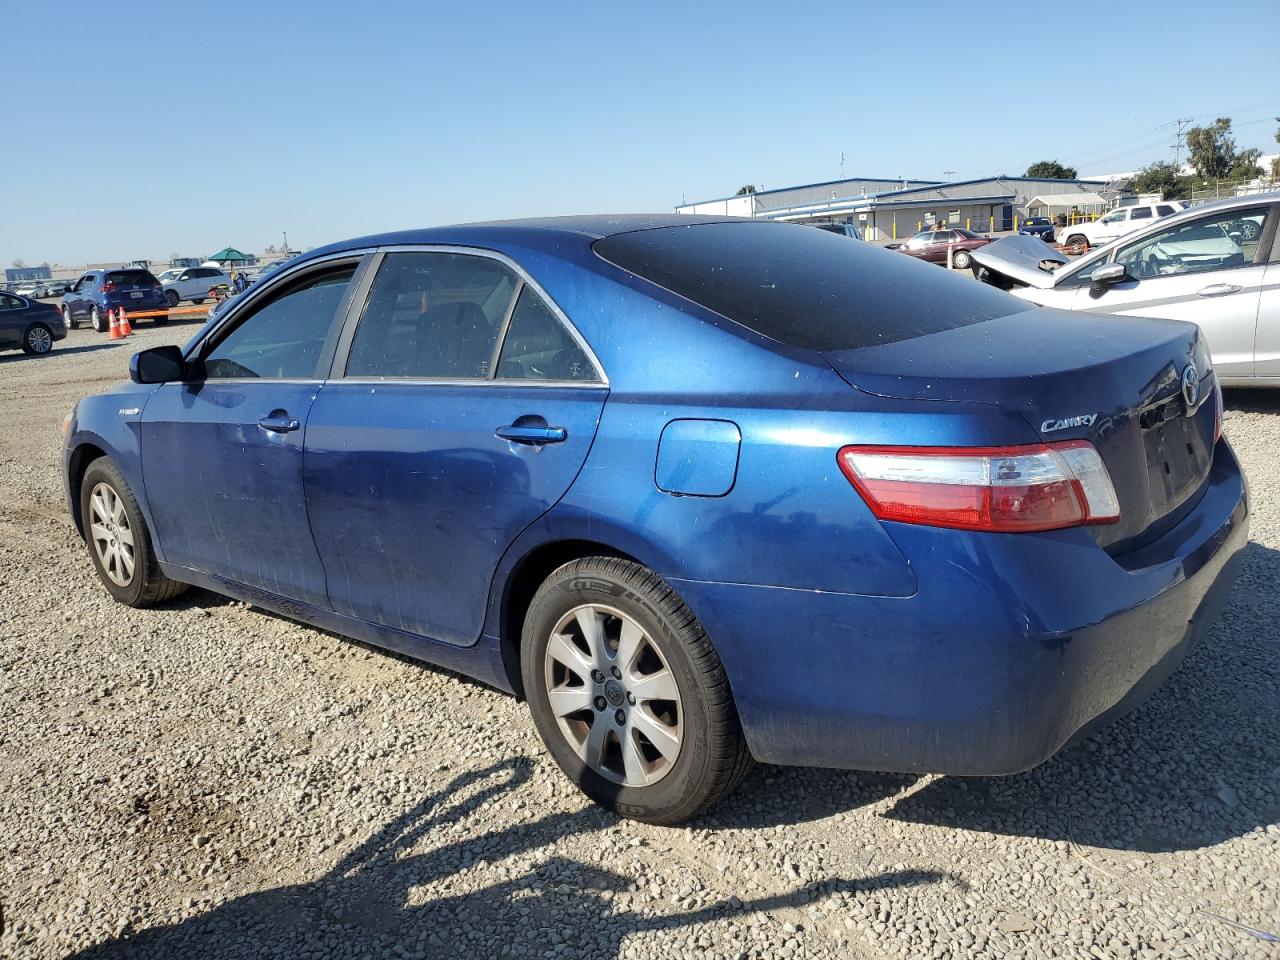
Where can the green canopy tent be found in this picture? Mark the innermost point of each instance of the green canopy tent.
(230, 255)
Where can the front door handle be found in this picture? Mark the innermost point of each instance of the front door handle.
(536, 434)
(1218, 290)
(279, 421)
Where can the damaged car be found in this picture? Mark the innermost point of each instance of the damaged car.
(1216, 265)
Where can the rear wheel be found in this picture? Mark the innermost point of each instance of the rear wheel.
(628, 692)
(118, 540)
(37, 340)
(68, 320)
(172, 297)
(199, 300)
(961, 260)
(96, 320)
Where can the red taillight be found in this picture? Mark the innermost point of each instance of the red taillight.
(108, 287)
(1043, 486)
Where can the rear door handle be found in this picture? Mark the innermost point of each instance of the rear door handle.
(1218, 290)
(279, 421)
(532, 434)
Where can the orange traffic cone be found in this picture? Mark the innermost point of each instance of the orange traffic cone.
(115, 326)
(126, 328)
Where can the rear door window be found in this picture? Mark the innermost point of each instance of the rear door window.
(434, 316)
(1140, 213)
(805, 287)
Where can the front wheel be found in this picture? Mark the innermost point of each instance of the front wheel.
(628, 693)
(1078, 243)
(68, 320)
(118, 540)
(961, 260)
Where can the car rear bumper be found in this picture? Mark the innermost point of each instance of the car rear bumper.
(1013, 646)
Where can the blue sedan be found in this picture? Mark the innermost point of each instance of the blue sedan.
(700, 490)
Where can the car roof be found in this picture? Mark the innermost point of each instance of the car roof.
(585, 228)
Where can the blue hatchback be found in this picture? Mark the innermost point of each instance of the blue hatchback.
(698, 489)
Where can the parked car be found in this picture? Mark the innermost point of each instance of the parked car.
(1216, 265)
(1117, 223)
(190, 283)
(57, 288)
(99, 292)
(699, 489)
(932, 246)
(32, 289)
(842, 229)
(1041, 227)
(29, 325)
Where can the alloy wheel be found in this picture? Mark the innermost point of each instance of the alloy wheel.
(39, 340)
(613, 695)
(111, 534)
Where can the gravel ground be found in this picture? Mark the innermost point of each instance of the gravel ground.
(205, 779)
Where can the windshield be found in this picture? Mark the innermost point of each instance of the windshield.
(806, 288)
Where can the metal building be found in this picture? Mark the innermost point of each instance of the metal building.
(888, 209)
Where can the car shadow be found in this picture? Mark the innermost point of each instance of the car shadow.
(372, 901)
(1198, 764)
(58, 351)
(1252, 400)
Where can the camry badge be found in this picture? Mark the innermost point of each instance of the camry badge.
(1191, 386)
(1082, 420)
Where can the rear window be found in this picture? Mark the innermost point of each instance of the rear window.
(804, 287)
(132, 278)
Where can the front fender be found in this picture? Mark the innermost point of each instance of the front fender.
(109, 425)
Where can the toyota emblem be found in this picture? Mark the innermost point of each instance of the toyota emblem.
(1191, 386)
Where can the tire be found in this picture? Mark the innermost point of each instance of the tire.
(961, 260)
(96, 320)
(199, 300)
(129, 571)
(690, 709)
(1079, 241)
(1249, 230)
(172, 297)
(38, 340)
(68, 320)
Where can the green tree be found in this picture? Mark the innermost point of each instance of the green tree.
(1275, 161)
(1051, 169)
(1213, 152)
(746, 189)
(1162, 178)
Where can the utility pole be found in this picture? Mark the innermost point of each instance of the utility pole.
(1177, 141)
(841, 164)
(948, 174)
(286, 241)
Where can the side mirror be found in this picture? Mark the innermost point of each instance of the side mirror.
(157, 365)
(1108, 274)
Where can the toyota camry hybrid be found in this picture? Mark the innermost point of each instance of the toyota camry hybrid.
(700, 490)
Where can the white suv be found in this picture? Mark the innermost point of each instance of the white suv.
(1117, 223)
(190, 283)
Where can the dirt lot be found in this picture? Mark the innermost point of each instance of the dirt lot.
(205, 779)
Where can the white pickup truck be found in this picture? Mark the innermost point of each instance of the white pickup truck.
(1117, 223)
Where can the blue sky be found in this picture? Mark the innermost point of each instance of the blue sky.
(187, 127)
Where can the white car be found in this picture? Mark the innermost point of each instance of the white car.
(190, 283)
(1117, 223)
(1216, 265)
(33, 289)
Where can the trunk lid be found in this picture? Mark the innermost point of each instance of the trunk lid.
(1118, 384)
